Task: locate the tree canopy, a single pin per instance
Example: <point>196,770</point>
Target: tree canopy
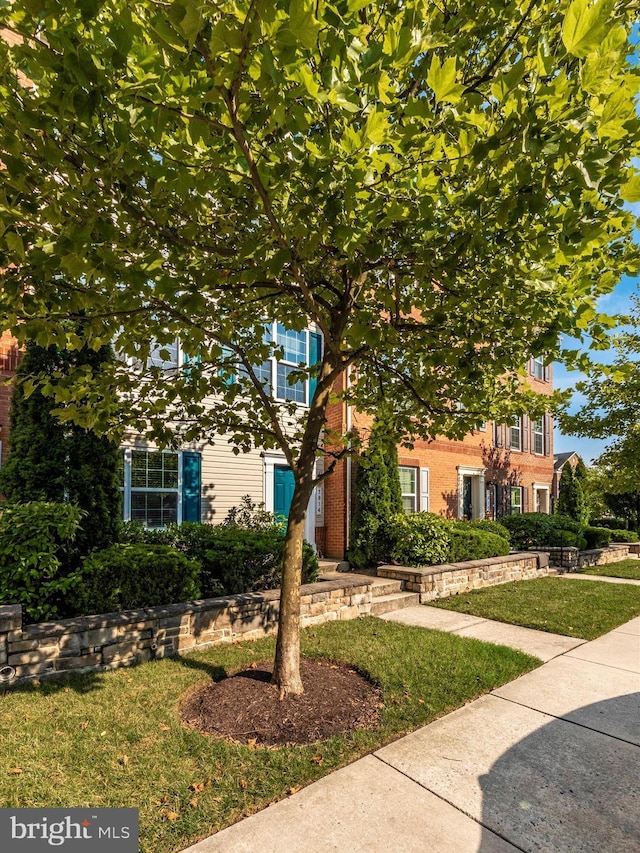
<point>612,409</point>
<point>437,189</point>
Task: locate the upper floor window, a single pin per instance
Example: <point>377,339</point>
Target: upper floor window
<point>516,435</point>
<point>538,435</point>
<point>295,348</point>
<point>538,367</point>
<point>165,356</point>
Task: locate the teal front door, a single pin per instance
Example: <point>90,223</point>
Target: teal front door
<point>283,490</point>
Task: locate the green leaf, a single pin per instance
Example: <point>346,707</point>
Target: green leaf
<point>302,22</point>
<point>376,127</point>
<point>630,191</point>
<point>442,79</point>
<point>585,25</point>
<point>15,244</point>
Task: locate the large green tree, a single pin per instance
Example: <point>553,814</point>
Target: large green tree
<point>435,187</point>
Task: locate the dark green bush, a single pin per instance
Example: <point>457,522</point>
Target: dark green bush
<point>597,537</point>
<point>419,539</point>
<point>487,525</point>
<point>124,577</point>
<point>611,523</point>
<point>624,536</point>
<point>237,560</point>
<point>468,543</point>
<point>234,559</point>
<point>35,542</point>
<point>538,530</point>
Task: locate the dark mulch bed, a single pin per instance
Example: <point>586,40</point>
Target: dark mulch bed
<point>245,706</point>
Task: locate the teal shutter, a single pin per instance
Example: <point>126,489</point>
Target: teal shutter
<point>283,486</point>
<point>228,374</point>
<point>191,486</point>
<point>315,354</point>
<point>190,363</point>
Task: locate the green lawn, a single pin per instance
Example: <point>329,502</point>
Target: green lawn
<point>114,739</point>
<point>624,569</point>
<point>552,604</point>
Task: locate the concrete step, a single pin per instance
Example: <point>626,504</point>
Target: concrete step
<point>383,586</point>
<point>396,601</point>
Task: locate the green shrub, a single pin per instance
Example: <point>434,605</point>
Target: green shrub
<point>233,559</point>
<point>419,539</point>
<point>538,530</point>
<point>237,560</point>
<point>624,536</point>
<point>611,523</point>
<point>597,537</point>
<point>487,525</point>
<point>35,542</point>
<point>124,577</point>
<point>468,543</point>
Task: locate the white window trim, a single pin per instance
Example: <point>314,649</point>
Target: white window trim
<point>126,496</point>
<point>513,489</point>
<point>413,495</point>
<point>538,367</point>
<point>534,433</point>
<point>517,426</point>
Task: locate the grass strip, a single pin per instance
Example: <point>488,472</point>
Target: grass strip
<point>585,610</point>
<point>114,739</point>
<point>629,569</point>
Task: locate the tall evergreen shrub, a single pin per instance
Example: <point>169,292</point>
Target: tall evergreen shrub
<point>53,461</point>
<point>572,500</point>
<point>377,497</point>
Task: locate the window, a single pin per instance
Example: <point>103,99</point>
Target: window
<point>516,435</point>
<point>160,488</point>
<point>298,349</point>
<point>408,483</point>
<point>164,356</point>
<point>538,435</point>
<point>516,500</point>
<point>538,368</point>
<point>294,345</point>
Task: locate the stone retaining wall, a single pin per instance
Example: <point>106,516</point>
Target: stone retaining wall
<point>116,639</point>
<point>572,559</point>
<point>440,581</point>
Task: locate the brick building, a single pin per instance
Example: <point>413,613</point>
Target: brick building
<point>496,470</point>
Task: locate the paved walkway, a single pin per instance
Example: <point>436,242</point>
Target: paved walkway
<point>549,762</point>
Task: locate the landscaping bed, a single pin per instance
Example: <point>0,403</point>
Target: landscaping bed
<point>552,604</point>
<point>629,569</point>
<point>115,739</point>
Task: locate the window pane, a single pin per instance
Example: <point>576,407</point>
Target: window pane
<point>170,351</point>
<point>408,504</point>
<point>154,509</point>
<point>295,392</point>
<point>293,343</point>
<point>407,480</point>
<point>515,437</point>
<point>138,468</point>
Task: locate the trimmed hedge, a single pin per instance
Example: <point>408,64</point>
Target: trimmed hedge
<point>597,537</point>
<point>233,559</point>
<point>420,539</point>
<point>475,544</point>
<point>495,527</point>
<point>538,530</point>
<point>624,536</point>
<point>124,577</point>
<point>426,539</point>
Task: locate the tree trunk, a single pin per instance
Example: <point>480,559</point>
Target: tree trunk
<point>286,672</point>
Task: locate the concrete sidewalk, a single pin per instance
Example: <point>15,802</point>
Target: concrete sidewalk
<point>549,762</point>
